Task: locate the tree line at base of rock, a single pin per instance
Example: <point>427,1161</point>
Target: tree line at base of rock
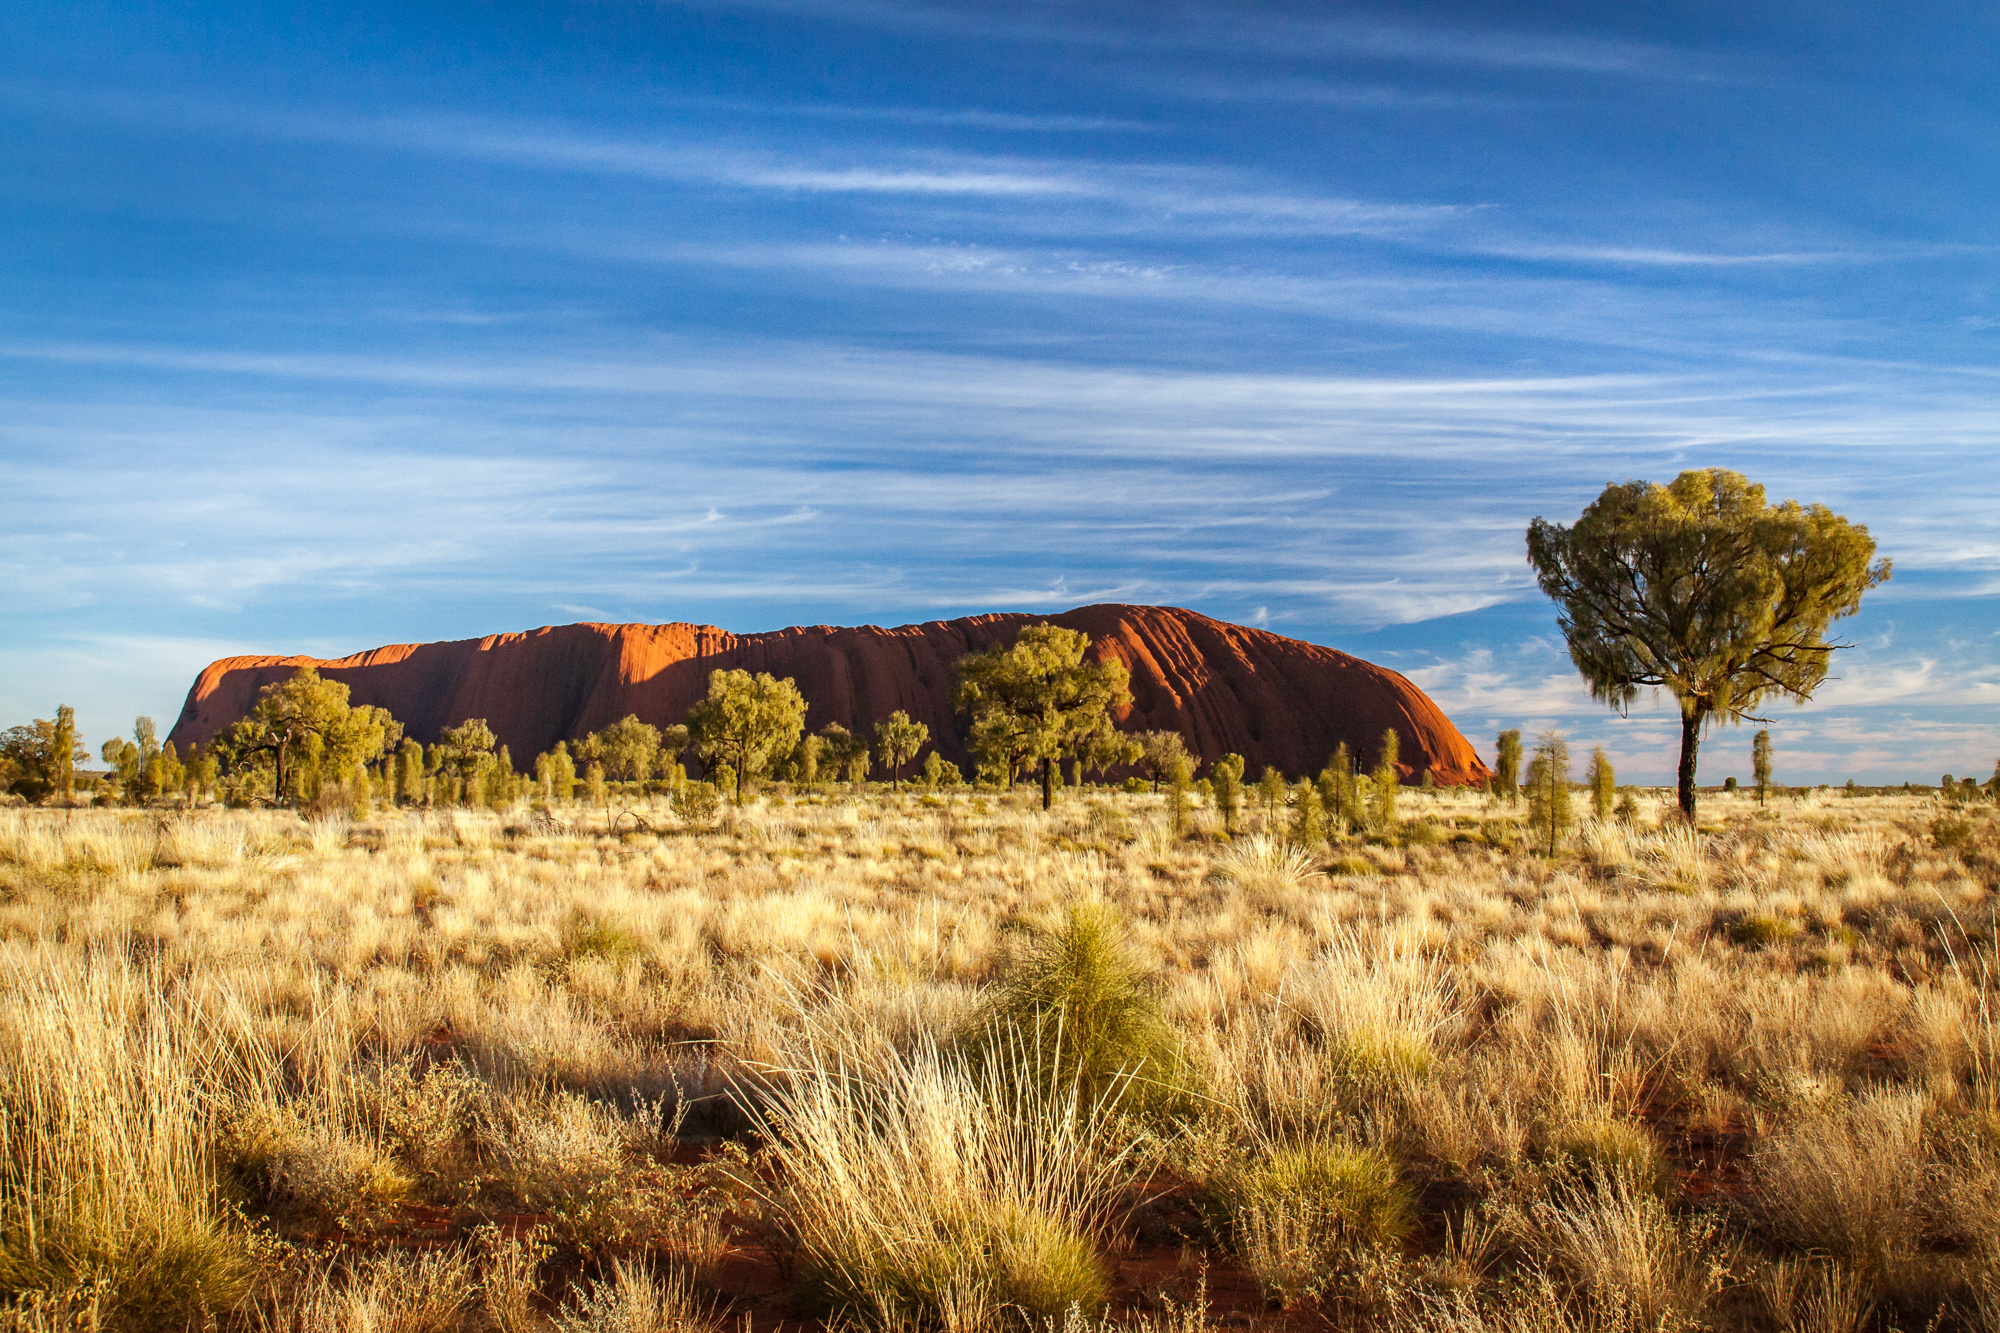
<point>1031,707</point>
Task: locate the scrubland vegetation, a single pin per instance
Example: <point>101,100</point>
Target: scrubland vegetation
<point>948,1061</point>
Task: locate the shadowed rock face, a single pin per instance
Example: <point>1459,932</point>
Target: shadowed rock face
<point>1274,700</point>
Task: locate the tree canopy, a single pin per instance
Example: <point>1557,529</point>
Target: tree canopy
<point>627,748</point>
<point>39,759</point>
<point>306,721</point>
<point>1700,588</point>
<point>1159,752</point>
<point>746,721</point>
<point>897,740</point>
<point>1039,700</point>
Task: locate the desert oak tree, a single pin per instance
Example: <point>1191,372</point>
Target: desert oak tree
<point>1700,588</point>
<point>746,721</point>
<point>897,740</point>
<point>308,717</point>
<point>1039,699</point>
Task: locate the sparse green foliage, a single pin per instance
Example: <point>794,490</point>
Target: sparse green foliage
<point>556,771</point>
<point>1180,795</point>
<point>410,771</point>
<point>1700,588</point>
<point>1039,699</point>
<point>1603,782</point>
<point>897,740</point>
<point>805,760</point>
<point>39,759</point>
<point>1075,995</point>
<point>1604,1149</point>
<point>1550,816</point>
<point>628,749</point>
<point>746,721</point>
<point>1507,766</point>
<point>1384,781</point>
<point>1340,792</point>
<point>1226,776</point>
<point>1271,791</point>
<point>839,749</point>
<point>1308,830</point>
<point>1105,749</point>
<point>1160,751</point>
<point>1307,1217</point>
<point>940,772</point>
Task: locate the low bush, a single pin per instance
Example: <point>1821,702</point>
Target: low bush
<point>311,1173</point>
<point>1761,931</point>
<point>1305,1218</point>
<point>1074,997</point>
<point>1606,1150</point>
<point>633,1298</point>
<point>1847,1182</point>
<point>1628,1260</point>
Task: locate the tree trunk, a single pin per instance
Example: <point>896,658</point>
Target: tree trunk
<point>740,766</point>
<point>1691,721</point>
<point>1048,784</point>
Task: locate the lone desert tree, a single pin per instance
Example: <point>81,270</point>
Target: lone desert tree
<point>1701,588</point>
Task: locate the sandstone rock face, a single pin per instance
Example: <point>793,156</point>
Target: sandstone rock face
<point>1226,688</point>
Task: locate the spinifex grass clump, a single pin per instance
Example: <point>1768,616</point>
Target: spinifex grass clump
<point>1272,870</point>
<point>929,1188</point>
<point>1306,1217</point>
<point>1077,1003</point>
<point>105,1182</point>
<point>1603,1149</point>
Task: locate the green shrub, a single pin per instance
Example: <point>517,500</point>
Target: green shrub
<point>1352,865</point>
<point>1041,1267</point>
<point>591,937</point>
<point>1380,1057</point>
<point>1306,1218</point>
<point>1422,833</point>
<point>309,1173</point>
<point>1951,832</point>
<point>1607,1150</point>
<point>1080,1005</point>
<point>1758,931</point>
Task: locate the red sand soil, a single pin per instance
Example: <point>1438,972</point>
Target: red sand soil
<point>1226,688</point>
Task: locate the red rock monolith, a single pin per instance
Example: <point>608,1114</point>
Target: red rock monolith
<point>1226,688</point>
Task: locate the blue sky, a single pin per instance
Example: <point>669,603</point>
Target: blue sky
<point>328,327</point>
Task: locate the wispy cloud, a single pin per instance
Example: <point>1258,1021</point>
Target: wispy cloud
<point>1247,30</point>
<point>977,118</point>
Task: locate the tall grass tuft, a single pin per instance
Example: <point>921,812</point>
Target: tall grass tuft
<point>1076,999</point>
<point>1271,870</point>
<point>1629,1257</point>
<point>924,1187</point>
<point>105,1180</point>
<point>635,1299</point>
<point>1308,1217</point>
<point>1847,1182</point>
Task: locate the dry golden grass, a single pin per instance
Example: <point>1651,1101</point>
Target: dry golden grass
<point>457,1069</point>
